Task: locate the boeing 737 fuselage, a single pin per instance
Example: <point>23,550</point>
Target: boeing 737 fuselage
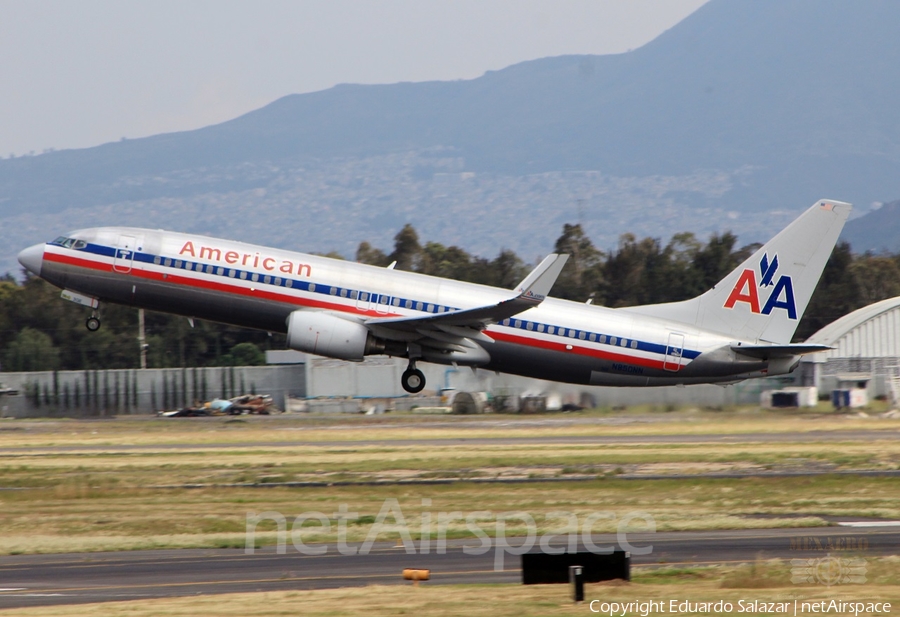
<point>740,329</point>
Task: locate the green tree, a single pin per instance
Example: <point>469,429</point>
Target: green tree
<point>406,248</point>
<point>582,276</point>
<point>877,277</point>
<point>247,354</point>
<point>367,254</point>
<point>836,294</point>
<point>32,350</point>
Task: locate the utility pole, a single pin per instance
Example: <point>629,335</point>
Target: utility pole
<point>142,339</point>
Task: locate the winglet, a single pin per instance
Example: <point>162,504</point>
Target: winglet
<point>537,285</point>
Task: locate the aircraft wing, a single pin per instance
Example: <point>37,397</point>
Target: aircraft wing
<point>454,326</point>
<point>766,352</point>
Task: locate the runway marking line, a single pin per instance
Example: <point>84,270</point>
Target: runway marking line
<point>288,579</point>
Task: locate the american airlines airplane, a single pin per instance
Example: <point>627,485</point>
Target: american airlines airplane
<point>739,329</point>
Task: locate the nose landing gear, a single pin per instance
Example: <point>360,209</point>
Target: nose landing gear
<point>93,322</point>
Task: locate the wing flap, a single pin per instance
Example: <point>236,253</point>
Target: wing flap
<point>531,292</point>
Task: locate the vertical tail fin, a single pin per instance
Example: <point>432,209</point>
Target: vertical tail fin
<point>764,298</point>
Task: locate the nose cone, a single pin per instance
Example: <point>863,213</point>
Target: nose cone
<point>32,258</point>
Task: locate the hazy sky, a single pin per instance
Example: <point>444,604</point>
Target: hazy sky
<point>77,74</point>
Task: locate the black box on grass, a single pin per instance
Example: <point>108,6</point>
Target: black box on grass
<point>540,568</point>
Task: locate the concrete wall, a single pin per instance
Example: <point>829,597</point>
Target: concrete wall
<point>380,377</point>
<point>108,393</point>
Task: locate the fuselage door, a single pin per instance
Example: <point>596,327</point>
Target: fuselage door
<point>383,304</point>
<point>674,352</point>
<point>124,257</point>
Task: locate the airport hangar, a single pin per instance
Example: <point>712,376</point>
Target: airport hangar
<point>866,346</point>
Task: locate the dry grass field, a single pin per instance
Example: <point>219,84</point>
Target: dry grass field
<point>119,484</point>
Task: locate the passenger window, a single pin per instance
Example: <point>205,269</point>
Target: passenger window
<point>332,291</point>
<point>278,282</point>
<point>529,326</point>
<point>418,306</point>
<point>157,260</point>
<point>593,338</point>
<point>232,273</point>
<point>408,304</point>
<point>612,340</point>
<point>267,280</point>
<point>540,327</point>
<point>243,275</point>
<point>396,302</point>
<point>581,335</point>
<point>551,329</point>
<point>343,293</point>
<point>624,342</point>
<point>634,344</point>
<point>364,296</point>
<point>518,323</point>
<point>255,277</point>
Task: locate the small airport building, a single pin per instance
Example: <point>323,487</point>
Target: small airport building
<point>866,352</point>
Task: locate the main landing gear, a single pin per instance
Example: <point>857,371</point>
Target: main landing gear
<point>412,380</point>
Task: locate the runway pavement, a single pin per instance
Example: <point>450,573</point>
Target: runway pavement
<point>33,580</point>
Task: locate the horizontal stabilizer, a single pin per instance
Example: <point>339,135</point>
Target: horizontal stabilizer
<point>765,352</point>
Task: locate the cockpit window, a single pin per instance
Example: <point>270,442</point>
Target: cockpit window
<point>69,243</point>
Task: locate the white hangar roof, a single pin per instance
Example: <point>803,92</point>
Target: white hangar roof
<point>870,332</point>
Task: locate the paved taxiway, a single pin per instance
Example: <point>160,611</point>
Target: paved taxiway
<point>33,580</point>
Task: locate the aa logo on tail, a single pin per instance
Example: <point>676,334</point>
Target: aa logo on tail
<point>781,294</point>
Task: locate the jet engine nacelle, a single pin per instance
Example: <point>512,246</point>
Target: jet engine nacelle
<point>324,334</point>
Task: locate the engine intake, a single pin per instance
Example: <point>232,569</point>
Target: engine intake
<point>324,334</point>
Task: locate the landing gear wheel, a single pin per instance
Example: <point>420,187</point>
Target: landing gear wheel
<point>412,380</point>
<point>92,324</point>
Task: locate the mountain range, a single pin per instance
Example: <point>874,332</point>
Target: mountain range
<point>738,118</point>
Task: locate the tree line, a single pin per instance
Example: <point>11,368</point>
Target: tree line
<point>39,331</point>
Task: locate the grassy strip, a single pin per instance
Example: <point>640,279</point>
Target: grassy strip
<point>130,469</point>
<point>84,515</point>
<point>200,431</point>
<point>762,582</point>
